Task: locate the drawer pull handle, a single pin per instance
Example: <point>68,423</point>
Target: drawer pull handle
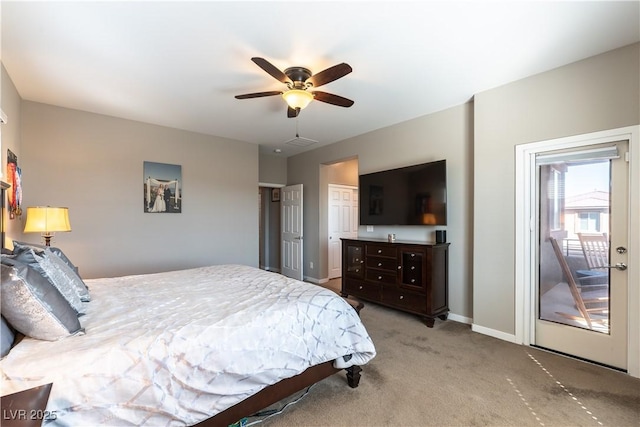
<point>360,287</point>
<point>379,251</point>
<point>379,277</point>
<point>413,280</point>
<point>399,267</point>
<point>401,296</point>
<point>357,270</point>
<point>413,255</point>
<point>413,267</point>
<point>379,264</point>
<point>362,261</point>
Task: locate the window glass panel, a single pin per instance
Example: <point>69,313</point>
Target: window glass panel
<point>573,201</point>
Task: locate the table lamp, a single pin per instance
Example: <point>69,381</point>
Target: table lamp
<point>47,220</point>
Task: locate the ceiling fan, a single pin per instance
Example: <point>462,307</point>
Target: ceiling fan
<point>299,81</point>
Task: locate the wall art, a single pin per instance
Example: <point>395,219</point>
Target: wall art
<point>14,193</point>
<point>162,188</point>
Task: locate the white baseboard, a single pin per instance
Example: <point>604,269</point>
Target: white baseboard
<point>315,280</point>
<point>460,319</point>
<point>493,333</point>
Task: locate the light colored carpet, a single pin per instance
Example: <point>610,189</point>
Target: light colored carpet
<point>451,376</point>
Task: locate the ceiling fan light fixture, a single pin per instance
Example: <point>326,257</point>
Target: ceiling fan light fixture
<point>297,98</point>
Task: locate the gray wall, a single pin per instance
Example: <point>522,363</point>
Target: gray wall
<point>10,140</point>
<point>272,169</point>
<point>94,165</point>
<point>596,94</point>
<point>342,173</point>
<point>444,135</point>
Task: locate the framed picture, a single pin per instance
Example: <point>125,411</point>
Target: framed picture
<point>275,194</point>
<point>162,188</point>
<point>14,178</point>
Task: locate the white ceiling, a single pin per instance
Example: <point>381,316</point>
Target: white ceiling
<point>179,64</point>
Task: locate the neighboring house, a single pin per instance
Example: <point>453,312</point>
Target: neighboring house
<point>587,213</point>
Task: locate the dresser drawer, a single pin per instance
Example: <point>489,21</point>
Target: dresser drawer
<point>381,250</point>
<point>405,300</point>
<point>361,289</point>
<point>390,264</point>
<point>353,259</point>
<point>355,270</point>
<point>413,277</point>
<point>381,276</point>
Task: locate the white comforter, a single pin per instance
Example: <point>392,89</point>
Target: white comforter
<point>176,348</point>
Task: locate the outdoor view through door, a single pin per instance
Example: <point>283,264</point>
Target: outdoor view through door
<point>575,205</point>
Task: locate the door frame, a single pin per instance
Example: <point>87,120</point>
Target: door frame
<point>525,274</point>
<point>354,234</point>
<point>265,231</point>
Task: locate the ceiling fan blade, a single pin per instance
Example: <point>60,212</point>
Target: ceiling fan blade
<point>271,69</point>
<point>259,94</point>
<point>330,98</point>
<point>330,74</point>
<point>292,112</point>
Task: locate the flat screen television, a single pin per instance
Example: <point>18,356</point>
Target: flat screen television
<point>412,195</point>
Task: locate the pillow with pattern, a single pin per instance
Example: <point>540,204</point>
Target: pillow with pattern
<point>45,263</point>
<point>33,306</point>
<point>70,276</point>
<point>57,251</point>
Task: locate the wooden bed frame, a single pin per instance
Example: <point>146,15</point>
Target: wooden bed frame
<point>278,391</point>
<point>264,398</point>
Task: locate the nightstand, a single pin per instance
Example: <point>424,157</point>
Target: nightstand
<point>26,408</point>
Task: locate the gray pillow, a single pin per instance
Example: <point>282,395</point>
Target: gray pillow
<point>6,338</point>
<point>56,251</point>
<point>45,263</point>
<point>83,290</point>
<point>70,275</point>
<point>34,306</point>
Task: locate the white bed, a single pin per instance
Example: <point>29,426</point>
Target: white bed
<point>177,348</point>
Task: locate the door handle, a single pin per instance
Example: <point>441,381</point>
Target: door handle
<point>300,238</point>
<point>620,266</point>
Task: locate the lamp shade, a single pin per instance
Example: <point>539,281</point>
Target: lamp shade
<point>45,219</point>
<point>297,98</point>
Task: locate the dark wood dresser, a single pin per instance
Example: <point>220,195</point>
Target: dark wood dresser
<point>408,276</point>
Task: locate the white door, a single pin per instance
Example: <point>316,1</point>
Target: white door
<point>581,310</point>
<point>291,248</point>
<point>343,223</point>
